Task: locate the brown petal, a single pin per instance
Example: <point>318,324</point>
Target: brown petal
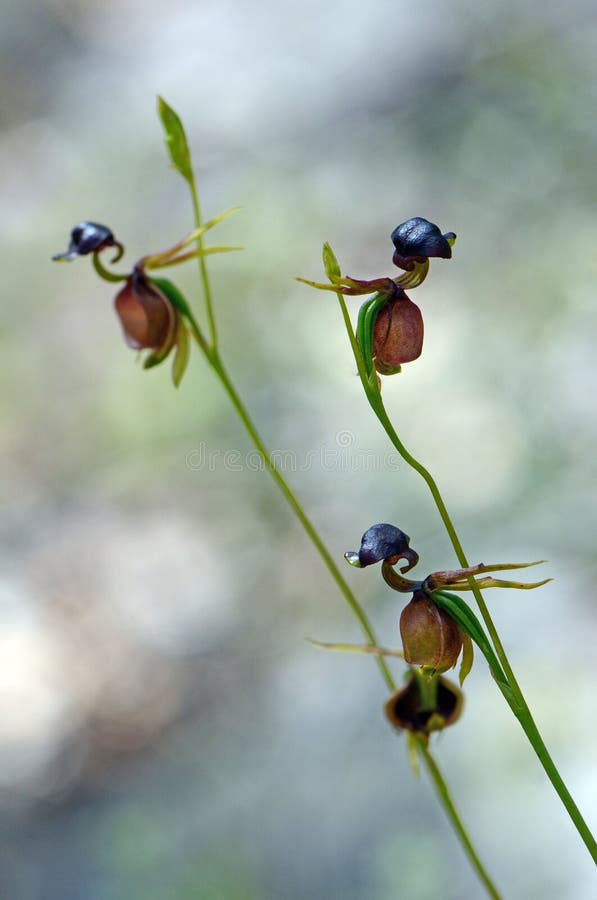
<point>430,637</point>
<point>147,317</point>
<point>397,334</point>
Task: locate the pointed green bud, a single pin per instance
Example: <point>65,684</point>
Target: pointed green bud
<point>176,140</point>
<point>181,356</point>
<point>330,263</point>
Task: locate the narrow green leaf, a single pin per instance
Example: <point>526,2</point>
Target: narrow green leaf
<point>516,585</point>
<point>316,284</point>
<point>356,648</point>
<point>176,140</point>
<point>366,320</point>
<point>374,381</point>
<point>173,294</point>
<point>220,248</point>
<point>157,357</point>
<point>217,219</point>
<point>330,263</point>
<point>181,357</point>
<point>466,663</point>
<point>461,612</point>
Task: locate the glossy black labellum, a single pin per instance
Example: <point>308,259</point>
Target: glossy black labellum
<point>420,239</point>
<point>85,238</point>
<point>383,541</point>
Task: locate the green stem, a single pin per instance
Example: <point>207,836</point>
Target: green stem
<point>427,690</point>
<point>517,701</point>
<point>353,343</point>
<point>438,781</point>
<point>104,273</point>
<point>213,357</point>
<point>446,799</point>
<point>203,268</point>
<point>218,367</point>
<point>532,732</point>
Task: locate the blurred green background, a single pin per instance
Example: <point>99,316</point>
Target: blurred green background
<point>165,731</point>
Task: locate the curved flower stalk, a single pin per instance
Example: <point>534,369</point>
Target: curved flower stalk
<point>415,242</point>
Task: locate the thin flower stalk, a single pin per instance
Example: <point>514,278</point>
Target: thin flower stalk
<point>512,691</point>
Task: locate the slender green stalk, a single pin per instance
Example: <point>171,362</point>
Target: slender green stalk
<point>298,510</point>
<point>437,778</point>
<point>203,267</point>
<point>516,700</point>
<point>444,794</point>
<point>213,357</point>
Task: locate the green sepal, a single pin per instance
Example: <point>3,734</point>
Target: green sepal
<point>468,654</point>
<point>157,357</point>
<point>387,370</point>
<point>363,340</point>
<point>356,648</point>
<point>319,285</point>
<point>220,248</point>
<point>415,276</point>
<point>412,749</point>
<point>330,263</point>
<point>435,722</point>
<point>461,612</point>
<point>365,324</point>
<point>176,140</point>
<point>373,382</point>
<point>174,296</point>
<point>181,357</point>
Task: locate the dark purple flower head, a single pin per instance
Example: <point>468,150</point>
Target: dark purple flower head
<point>417,239</point>
<point>383,542</point>
<point>85,238</point>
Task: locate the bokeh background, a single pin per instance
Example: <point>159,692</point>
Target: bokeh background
<point>165,730</point>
